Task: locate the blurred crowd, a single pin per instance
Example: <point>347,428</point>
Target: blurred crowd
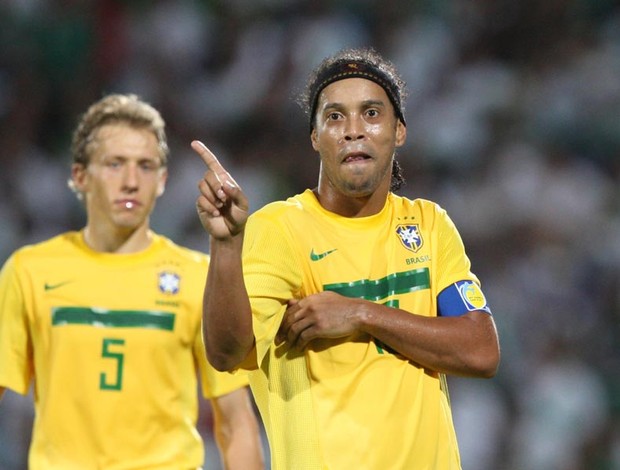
<point>513,127</point>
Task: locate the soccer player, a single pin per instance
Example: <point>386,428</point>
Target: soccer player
<point>348,303</point>
<point>106,321</point>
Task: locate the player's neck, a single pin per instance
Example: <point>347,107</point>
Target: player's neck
<point>348,206</point>
<point>119,241</point>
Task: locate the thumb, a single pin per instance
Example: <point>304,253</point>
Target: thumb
<point>235,194</point>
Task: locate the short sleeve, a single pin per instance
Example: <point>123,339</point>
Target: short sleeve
<point>15,343</point>
<point>453,264</point>
<point>272,276</point>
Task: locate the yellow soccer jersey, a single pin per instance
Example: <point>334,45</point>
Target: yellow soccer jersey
<point>351,403</point>
<point>114,342</point>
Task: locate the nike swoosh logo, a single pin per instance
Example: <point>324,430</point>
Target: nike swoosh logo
<point>315,257</point>
<point>55,286</point>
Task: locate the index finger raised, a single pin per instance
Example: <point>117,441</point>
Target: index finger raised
<point>207,156</point>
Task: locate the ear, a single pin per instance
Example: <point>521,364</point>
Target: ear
<point>161,185</point>
<point>401,133</point>
<point>314,139</point>
<point>78,177</point>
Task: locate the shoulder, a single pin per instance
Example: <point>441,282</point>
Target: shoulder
<point>281,213</point>
<point>421,205</point>
<point>277,226</point>
<point>42,256</point>
<point>281,208</point>
<point>55,246</point>
<point>180,252</point>
<point>428,215</point>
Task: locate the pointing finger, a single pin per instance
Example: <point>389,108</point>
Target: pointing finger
<point>208,157</point>
<point>213,164</point>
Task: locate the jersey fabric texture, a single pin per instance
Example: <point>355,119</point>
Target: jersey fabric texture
<point>115,344</point>
<point>351,403</point>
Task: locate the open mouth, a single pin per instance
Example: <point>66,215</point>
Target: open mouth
<point>356,157</point>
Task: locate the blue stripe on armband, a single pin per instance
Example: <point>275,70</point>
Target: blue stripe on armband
<point>460,298</point>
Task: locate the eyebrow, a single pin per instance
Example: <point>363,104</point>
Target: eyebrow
<point>365,104</point>
<point>125,157</point>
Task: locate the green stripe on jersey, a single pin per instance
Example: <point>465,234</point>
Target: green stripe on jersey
<point>113,318</point>
<point>395,283</point>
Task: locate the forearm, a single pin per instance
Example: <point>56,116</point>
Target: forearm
<point>227,315</point>
<point>465,345</point>
<point>243,450</point>
<point>236,431</point>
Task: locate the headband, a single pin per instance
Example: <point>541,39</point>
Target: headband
<point>343,69</point>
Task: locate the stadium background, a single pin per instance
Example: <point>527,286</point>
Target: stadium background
<point>514,127</point>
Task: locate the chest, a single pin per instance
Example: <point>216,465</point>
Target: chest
<point>378,263</point>
<point>99,299</point>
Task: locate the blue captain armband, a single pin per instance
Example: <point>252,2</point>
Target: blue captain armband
<point>460,298</point>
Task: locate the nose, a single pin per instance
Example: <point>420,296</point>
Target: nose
<point>354,129</point>
<point>130,177</point>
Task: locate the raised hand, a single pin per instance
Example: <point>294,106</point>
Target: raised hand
<point>222,205</point>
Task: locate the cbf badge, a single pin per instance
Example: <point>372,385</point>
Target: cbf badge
<point>410,237</point>
<point>169,283</point>
<point>472,296</point>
